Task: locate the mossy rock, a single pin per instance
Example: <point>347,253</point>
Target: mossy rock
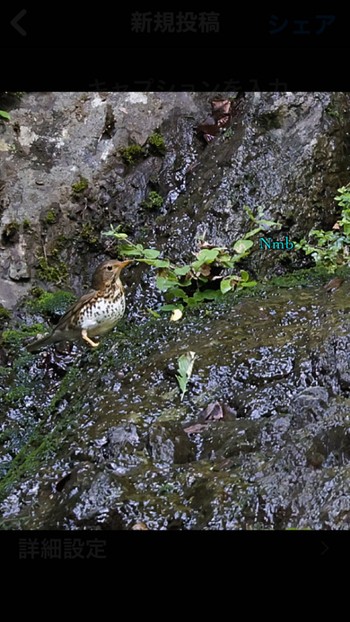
<point>79,186</point>
<point>52,273</point>
<point>153,201</point>
<point>4,313</point>
<point>89,235</point>
<point>50,217</point>
<point>15,336</point>
<point>156,144</point>
<point>52,304</point>
<point>132,154</point>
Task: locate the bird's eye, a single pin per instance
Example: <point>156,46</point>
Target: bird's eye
<point>109,267</point>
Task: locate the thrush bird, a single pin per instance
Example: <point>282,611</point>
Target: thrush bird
<point>95,313</point>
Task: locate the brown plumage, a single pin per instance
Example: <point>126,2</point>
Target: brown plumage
<point>95,313</point>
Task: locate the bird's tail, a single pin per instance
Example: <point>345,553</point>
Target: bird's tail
<point>36,345</point>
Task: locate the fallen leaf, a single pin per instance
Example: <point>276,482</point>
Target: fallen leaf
<point>212,412</point>
<point>216,411</point>
<point>176,315</point>
<point>221,107</point>
<point>195,428</point>
<point>333,284</point>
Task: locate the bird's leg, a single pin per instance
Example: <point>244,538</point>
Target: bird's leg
<point>87,338</point>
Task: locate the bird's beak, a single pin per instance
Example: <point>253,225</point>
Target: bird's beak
<point>123,264</point>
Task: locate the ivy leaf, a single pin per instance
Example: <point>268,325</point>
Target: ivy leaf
<point>110,233</point>
<point>225,285</point>
<point>252,232</point>
<point>156,263</point>
<point>244,275</point>
<point>182,270</point>
<point>153,313</point>
<point>185,366</point>
<point>176,292</point>
<point>114,232</point>
<point>207,294</point>
<point>267,224</point>
<point>241,246</point>
<point>171,307</point>
<point>224,257</point>
<point>133,250</point>
<point>151,253</point>
<point>206,255</point>
<point>164,283</point>
<point>5,115</point>
<point>249,212</point>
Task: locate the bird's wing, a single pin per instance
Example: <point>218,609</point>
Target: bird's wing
<point>74,308</point>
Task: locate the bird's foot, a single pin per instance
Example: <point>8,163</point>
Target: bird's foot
<point>86,337</point>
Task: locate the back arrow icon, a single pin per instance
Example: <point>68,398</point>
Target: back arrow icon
<point>15,24</point>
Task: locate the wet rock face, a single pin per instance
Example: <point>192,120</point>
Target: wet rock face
<point>261,439</point>
<point>64,179</point>
<point>101,440</point>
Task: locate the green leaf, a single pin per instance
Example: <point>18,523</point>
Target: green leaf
<point>207,294</point>
<point>150,253</point>
<point>248,284</point>
<point>110,233</point>
<point>156,263</point>
<point>172,307</point>
<point>131,252</point>
<point>252,232</point>
<point>244,275</point>
<point>5,115</point>
<point>269,223</point>
<point>114,232</point>
<point>182,270</point>
<point>249,212</point>
<point>224,257</point>
<point>176,292</point>
<point>207,256</point>
<point>164,283</point>
<point>153,313</point>
<point>185,367</point>
<point>241,246</point>
<point>225,285</point>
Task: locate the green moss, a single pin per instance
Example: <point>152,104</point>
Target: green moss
<point>43,442</point>
<point>80,185</point>
<point>89,235</point>
<point>50,217</point>
<point>307,276</point>
<point>153,201</point>
<point>156,144</point>
<point>52,273</point>
<point>26,224</point>
<point>15,336</point>
<point>47,303</point>
<point>131,154</point>
<point>333,111</point>
<point>36,291</point>
<point>4,313</point>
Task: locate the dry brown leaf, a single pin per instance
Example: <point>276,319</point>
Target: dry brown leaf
<point>195,428</point>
